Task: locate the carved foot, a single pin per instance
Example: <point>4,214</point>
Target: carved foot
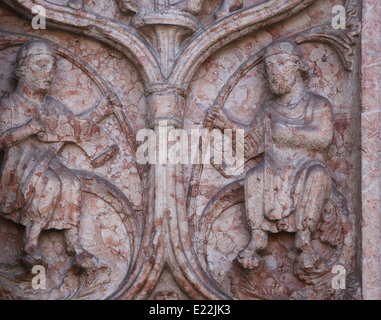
<point>84,260</point>
<point>249,259</point>
<point>95,282</point>
<point>75,4</point>
<point>308,259</point>
<point>33,256</point>
<point>70,249</point>
<point>87,261</point>
<point>227,7</point>
<point>306,265</point>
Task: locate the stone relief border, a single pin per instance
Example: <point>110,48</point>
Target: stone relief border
<point>370,149</point>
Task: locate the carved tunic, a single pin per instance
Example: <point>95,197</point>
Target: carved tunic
<point>292,139</point>
<point>34,185</point>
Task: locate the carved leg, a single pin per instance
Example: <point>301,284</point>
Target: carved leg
<point>71,238</point>
<point>37,214</point>
<point>316,191</point>
<point>227,7</point>
<point>83,259</point>
<point>74,248</point>
<point>32,252</point>
<point>249,257</point>
<point>71,195</point>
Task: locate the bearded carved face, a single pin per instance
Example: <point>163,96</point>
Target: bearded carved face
<point>282,73</point>
<point>38,71</point>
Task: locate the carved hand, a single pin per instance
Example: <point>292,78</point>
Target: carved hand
<point>253,143</point>
<point>114,100</point>
<point>36,126</point>
<point>104,108</point>
<point>216,118</point>
<point>250,144</point>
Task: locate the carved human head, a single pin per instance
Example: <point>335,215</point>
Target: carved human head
<point>284,65</point>
<point>36,61</point>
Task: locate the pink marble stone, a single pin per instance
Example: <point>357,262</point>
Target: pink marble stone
<point>176,231</point>
<point>371,147</point>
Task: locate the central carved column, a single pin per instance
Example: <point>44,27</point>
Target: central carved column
<point>165,103</point>
<point>168,224</point>
<point>166,31</point>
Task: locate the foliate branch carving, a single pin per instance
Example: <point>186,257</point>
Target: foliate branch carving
<point>124,37</point>
<point>343,41</point>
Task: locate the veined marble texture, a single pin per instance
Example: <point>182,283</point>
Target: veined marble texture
<point>82,81</point>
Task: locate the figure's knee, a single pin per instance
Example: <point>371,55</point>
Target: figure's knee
<point>320,182</point>
<point>318,174</point>
<point>317,189</point>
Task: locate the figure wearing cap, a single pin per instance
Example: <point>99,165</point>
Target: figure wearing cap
<point>289,188</point>
<point>36,189</point>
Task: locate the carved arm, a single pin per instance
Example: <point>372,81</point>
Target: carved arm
<point>217,118</point>
<point>12,136</point>
<point>103,109</point>
<point>254,137</point>
<point>315,135</point>
<point>253,145</point>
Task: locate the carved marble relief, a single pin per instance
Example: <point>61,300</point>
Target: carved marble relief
<point>77,201</point>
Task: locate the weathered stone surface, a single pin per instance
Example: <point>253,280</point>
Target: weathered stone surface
<point>101,117</point>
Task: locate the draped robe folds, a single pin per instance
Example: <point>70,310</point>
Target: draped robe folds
<point>35,187</point>
<point>292,138</point>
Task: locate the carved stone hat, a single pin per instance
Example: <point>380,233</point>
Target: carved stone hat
<point>34,48</point>
<point>282,47</point>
